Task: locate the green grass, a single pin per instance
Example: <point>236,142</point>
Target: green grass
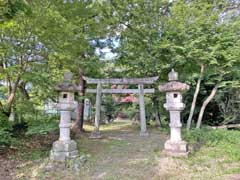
<point>215,155</point>
<point>34,154</point>
<point>216,152</point>
<point>221,142</point>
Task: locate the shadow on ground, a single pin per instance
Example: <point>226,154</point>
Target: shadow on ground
<point>120,154</point>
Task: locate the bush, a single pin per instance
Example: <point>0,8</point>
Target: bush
<point>43,125</point>
<point>5,131</point>
<point>225,142</point>
<point>6,137</point>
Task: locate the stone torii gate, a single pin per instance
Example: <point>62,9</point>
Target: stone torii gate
<point>140,91</point>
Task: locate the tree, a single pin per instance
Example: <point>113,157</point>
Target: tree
<point>194,101</point>
<point>72,38</point>
<point>21,55</point>
<point>157,35</point>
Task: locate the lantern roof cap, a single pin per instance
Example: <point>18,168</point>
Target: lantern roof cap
<point>66,85</point>
<point>174,86</point>
<point>173,75</point>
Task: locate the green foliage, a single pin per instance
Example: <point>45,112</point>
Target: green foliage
<point>229,104</point>
<point>151,37</point>
<point>109,105</point>
<point>226,142</point>
<point>11,8</point>
<point>5,131</point>
<point>42,126</point>
<point>35,154</point>
<point>131,110</point>
<point>159,35</point>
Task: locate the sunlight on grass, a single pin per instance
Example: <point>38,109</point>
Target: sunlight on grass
<point>116,125</point>
<point>121,153</point>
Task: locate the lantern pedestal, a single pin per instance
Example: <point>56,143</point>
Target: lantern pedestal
<point>177,148</point>
<point>62,150</point>
<point>144,134</point>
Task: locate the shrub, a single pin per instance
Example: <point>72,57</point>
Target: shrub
<point>5,131</point>
<point>43,125</point>
<point>226,142</point>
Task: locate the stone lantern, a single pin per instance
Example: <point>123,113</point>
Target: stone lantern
<point>175,146</point>
<point>64,147</point>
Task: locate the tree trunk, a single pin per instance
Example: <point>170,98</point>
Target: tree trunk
<point>78,125</point>
<point>189,121</point>
<point>12,115</point>
<point>22,88</point>
<point>11,96</point>
<point>205,103</point>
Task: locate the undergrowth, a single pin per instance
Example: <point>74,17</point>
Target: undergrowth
<point>223,142</point>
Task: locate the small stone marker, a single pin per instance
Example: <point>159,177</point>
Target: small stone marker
<point>175,146</point>
<point>96,133</point>
<point>87,109</point>
<point>65,147</point>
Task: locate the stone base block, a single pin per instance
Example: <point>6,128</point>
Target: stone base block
<point>178,148</point>
<point>144,134</point>
<point>95,135</point>
<point>63,150</point>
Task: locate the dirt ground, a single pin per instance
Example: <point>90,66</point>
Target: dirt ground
<point>120,155</point>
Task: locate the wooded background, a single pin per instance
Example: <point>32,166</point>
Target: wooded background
<point>40,40</point>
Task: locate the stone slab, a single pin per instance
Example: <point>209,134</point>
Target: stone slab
<point>175,154</point>
<point>177,148</point>
<point>144,134</point>
<point>64,146</point>
<point>62,156</point>
<point>121,91</point>
<point>63,150</point>
<point>149,80</point>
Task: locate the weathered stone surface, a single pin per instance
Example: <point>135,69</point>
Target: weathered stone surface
<point>121,91</point>
<point>149,80</point>
<point>173,76</point>
<point>178,148</point>
<point>174,84</point>
<point>174,106</point>
<point>144,134</point>
<point>64,146</point>
<point>175,146</point>
<point>176,154</point>
<point>142,111</point>
<point>63,156</point>
<point>63,150</point>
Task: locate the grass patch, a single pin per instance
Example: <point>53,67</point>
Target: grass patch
<point>116,144</point>
<point>34,154</point>
<point>217,152</point>
<point>116,125</point>
<point>221,142</point>
<point>233,170</point>
<point>123,154</point>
